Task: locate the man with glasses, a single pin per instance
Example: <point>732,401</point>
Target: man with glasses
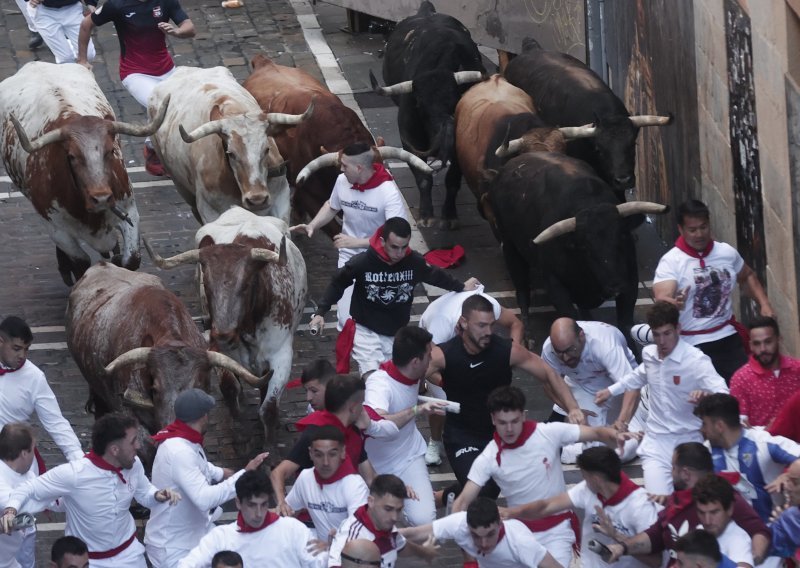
<point>591,356</point>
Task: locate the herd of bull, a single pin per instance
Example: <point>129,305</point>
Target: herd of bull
<point>547,148</point>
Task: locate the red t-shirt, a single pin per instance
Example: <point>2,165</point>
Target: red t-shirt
<point>760,393</point>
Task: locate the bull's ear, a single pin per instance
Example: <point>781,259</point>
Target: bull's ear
<point>216,113</point>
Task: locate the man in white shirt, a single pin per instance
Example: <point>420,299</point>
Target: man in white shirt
<point>482,534</point>
<point>699,276</point>
<point>262,538</point>
<point>391,395</point>
<point>606,495</point>
<point>181,463</point>
<point>24,389</point>
<point>677,375</point>
<point>97,492</point>
<point>376,521</point>
<point>591,356</point>
<point>359,553</point>
<point>17,445</point>
<point>700,549</point>
<point>714,497</point>
<point>367,196</point>
<point>332,490</point>
<point>524,460</point>
<point>69,552</point>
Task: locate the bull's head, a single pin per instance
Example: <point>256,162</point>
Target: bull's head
<point>162,372</point>
<point>249,149</point>
<point>92,153</point>
<point>544,139</point>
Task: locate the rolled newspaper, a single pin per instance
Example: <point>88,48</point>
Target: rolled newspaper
<point>453,407</point>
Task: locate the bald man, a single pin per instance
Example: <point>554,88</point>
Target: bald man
<point>360,552</point>
<point>591,356</point>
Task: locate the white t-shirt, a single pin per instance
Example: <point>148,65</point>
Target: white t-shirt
<point>353,529</point>
<point>632,515</point>
<point>393,454</point>
<point>708,303</point>
<point>517,549</point>
<point>328,504</point>
<point>441,316</point>
<point>530,472</point>
<point>364,211</point>
<point>735,543</point>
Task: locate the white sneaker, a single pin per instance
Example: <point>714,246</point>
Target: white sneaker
<point>433,455</point>
<point>642,334</point>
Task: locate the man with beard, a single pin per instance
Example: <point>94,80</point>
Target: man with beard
<point>768,379</point>
<point>472,365</point>
<point>97,492</point>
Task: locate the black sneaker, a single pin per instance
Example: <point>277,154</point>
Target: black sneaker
<point>35,40</point>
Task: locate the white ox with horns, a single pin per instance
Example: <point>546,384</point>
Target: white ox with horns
<point>253,284</point>
<point>217,147</point>
<point>60,147</point>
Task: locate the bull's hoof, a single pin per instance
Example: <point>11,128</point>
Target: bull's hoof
<point>449,224</point>
<point>427,222</point>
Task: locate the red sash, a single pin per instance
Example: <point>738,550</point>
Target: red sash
<point>344,346</point>
<point>547,523</point>
<point>114,551</point>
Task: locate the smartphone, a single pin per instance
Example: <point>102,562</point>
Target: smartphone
<point>600,549</point>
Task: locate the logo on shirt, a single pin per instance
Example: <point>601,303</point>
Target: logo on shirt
<point>386,295</point>
<point>676,379</point>
<point>132,14</point>
<point>473,365</point>
<point>360,205</point>
<point>747,458</point>
<point>157,12</point>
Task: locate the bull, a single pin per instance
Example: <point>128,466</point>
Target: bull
<point>332,127</point>
<point>568,93</point>
<point>253,284</point>
<point>429,60</point>
<point>137,346</point>
<point>217,144</point>
<point>554,213</point>
<point>60,149</point>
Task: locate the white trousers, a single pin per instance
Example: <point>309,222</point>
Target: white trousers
<point>370,349</point>
<point>140,86</point>
<point>131,557</point>
<point>165,557</point>
<point>656,454</point>
<point>558,541</point>
<point>416,475</point>
<point>59,28</point>
<point>23,7</point>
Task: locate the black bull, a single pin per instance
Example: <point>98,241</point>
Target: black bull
<point>585,251</point>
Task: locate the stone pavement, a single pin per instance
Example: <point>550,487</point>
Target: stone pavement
<point>31,287</point>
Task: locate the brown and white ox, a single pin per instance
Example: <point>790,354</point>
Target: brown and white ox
<point>137,346</point>
<point>253,282</point>
<point>60,148</point>
<point>332,127</point>
<point>217,144</point>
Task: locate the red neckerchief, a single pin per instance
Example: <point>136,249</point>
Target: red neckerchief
<point>178,429</point>
<point>701,255</point>
<point>380,176</point>
<point>100,463</point>
<point>678,502</point>
<point>375,243</point>
<point>345,468</point>
<point>392,370</point>
<point>626,487</point>
<point>3,370</point>
<point>383,539</point>
<point>732,477</point>
<point>353,438</point>
<point>528,428</point>
<point>245,528</point>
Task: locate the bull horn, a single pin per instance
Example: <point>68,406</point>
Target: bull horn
<point>283,118</point>
<point>509,148</point>
<point>283,257</point>
<point>324,161</point>
<point>388,152</point>
<point>212,127</point>
<point>264,255</point>
<point>224,362</point>
<point>137,399</point>
<point>188,257</point>
<point>556,230</point>
<point>138,355</point>
<point>464,77</point>
<point>641,207</point>
<point>650,120</point>
<point>572,132</point>
<point>142,129</point>
<point>403,88</point>
<point>29,146</point>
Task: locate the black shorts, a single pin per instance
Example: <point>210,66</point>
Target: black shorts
<point>727,355</point>
<point>462,448</point>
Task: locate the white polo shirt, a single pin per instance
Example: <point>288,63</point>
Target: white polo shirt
<point>516,549</point>
<point>441,316</point>
<point>736,544</point>
<point>353,528</point>
<point>328,504</point>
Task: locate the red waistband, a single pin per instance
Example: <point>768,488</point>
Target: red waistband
<point>540,525</point>
<point>709,330</point>
<point>114,551</point>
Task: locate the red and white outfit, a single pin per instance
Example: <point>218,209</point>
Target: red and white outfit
<point>24,391</point>
<point>365,208</point>
<point>762,392</point>
<point>670,420</point>
<point>181,463</point>
<point>517,547</point>
<point>629,509</point>
<point>96,497</point>
<point>328,501</point>
<point>529,470</point>
<point>736,544</point>
<point>279,543</point>
<point>359,525</point>
<point>401,453</point>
